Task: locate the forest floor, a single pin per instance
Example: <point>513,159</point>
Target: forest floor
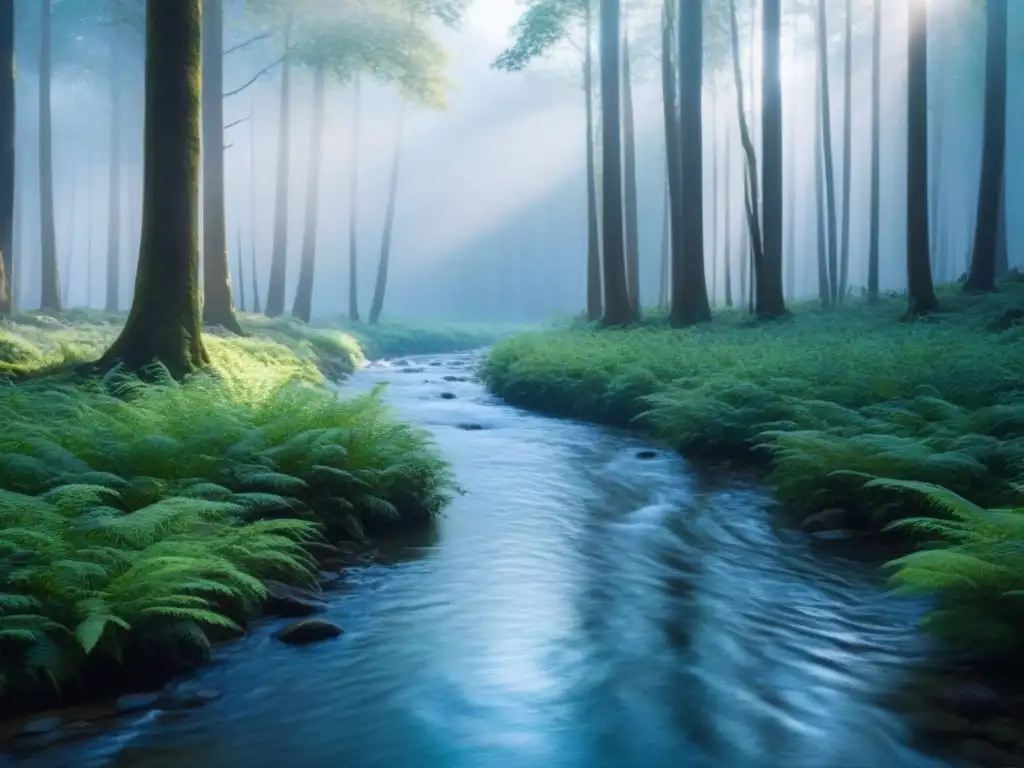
<point>827,402</point>
<point>141,523</point>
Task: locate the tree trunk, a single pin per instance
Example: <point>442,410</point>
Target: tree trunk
<point>936,158</point>
<point>66,272</point>
<point>791,197</point>
<point>920,289</point>
<point>113,282</point>
<point>381,284</point>
<point>673,161</point>
<point>164,323</point>
<point>353,208</point>
<point>826,143</point>
<point>713,154</point>
<point>666,250</point>
<point>303,305</point>
<point>629,162</point>
<point>7,157</point>
<point>88,235</point>
<point>982,275</point>
<point>821,225</point>
<point>770,301</point>
<point>241,271</point>
<point>691,304</point>
<point>727,245</point>
<point>617,309</point>
<point>252,212</point>
<point>593,233</point>
<point>876,149</point>
<point>50,289</point>
<point>1002,245</point>
<point>844,263</point>
<point>279,252</point>
<point>217,305</point>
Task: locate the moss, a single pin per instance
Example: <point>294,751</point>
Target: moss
<point>136,516</point>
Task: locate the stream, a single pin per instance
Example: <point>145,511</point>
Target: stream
<point>578,607</point>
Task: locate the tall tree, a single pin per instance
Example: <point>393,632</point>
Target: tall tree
<point>617,308</point>
<point>279,249</point>
<point>7,132</point>
<point>844,268</point>
<point>302,307</point>
<point>218,308</point>
<point>876,147</point>
<point>689,293</point>
<point>827,161</point>
<point>380,284</point>
<point>594,292</point>
<point>353,206</point>
<point>50,293</point>
<point>629,170</point>
<point>920,289</point>
<point>113,281</point>
<point>770,300</point>
<point>164,323</point>
<point>241,270</point>
<point>673,150</point>
<point>982,274</point>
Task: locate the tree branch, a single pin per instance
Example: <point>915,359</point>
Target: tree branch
<point>254,78</point>
<point>245,119</point>
<point>250,41</point>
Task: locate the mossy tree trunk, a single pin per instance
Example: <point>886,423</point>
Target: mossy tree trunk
<point>690,303</point>
<point>303,304</point>
<point>218,308</point>
<point>7,133</point>
<point>920,288</point>
<point>381,284</point>
<point>49,300</point>
<point>629,169</point>
<point>876,149</point>
<point>982,274</point>
<point>353,208</point>
<point>113,281</point>
<point>594,300</point>
<point>769,299</point>
<point>164,323</point>
<point>279,251</point>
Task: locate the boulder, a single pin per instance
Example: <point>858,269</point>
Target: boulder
<point>292,602</point>
<point>188,696</point>
<point>646,453</point>
<point>833,519</point>
<point>447,395</point>
<point>471,427</point>
<point>137,702</point>
<point>308,631</point>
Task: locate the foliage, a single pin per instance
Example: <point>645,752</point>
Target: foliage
<point>976,568</point>
<point>822,397</point>
<point>134,514</point>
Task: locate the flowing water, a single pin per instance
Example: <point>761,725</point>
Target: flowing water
<point>577,607</point>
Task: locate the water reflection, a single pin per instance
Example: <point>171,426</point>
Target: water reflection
<point>577,607</point>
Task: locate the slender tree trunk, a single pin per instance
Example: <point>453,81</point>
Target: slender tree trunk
<point>381,284</point>
<point>113,282</point>
<point>617,309</point>
<point>920,289</point>
<point>844,263</point>
<point>279,252</point>
<point>629,163</point>
<point>826,142</point>
<point>50,293</point>
<point>936,158</point>
<point>666,249</point>
<point>770,301</point>
<point>252,212</point>
<point>694,306</point>
<point>1002,245</point>
<point>66,272</point>
<point>303,305</point>
<point>876,149</point>
<point>7,157</point>
<point>673,154</point>
<point>791,198</point>
<point>982,275</point>
<point>593,233</point>
<point>727,255</point>
<point>713,153</point>
<point>353,208</point>
<point>241,271</point>
<point>217,306</point>
<point>821,225</point>
<point>164,323</point>
<point>88,235</point>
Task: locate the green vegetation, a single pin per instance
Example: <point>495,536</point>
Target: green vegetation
<point>827,399</point>
<point>135,518</point>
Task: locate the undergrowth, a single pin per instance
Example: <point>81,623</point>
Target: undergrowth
<point>135,516</point>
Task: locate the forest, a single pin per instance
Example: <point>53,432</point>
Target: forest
<point>511,382</point>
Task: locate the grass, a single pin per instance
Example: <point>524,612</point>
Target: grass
<point>136,518</point>
<point>826,400</point>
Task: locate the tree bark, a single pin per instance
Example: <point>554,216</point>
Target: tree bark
<point>629,163</point>
<point>666,250</point>
<point>353,208</point>
<point>303,304</point>
<point>594,289</point>
<point>7,156</point>
<point>770,301</point>
<point>241,270</point>
<point>50,289</point>
<point>727,245</point>
<point>66,272</point>
<point>713,154</point>
<point>690,304</point>
<point>829,165</point>
<point>844,263</point>
<point>821,223</point>
<point>113,282</point>
<point>164,323</point>
<point>876,149</point>
<point>252,212</point>
<point>279,252</point>
<point>673,162</point>
<point>617,309</point>
<point>218,308</point>
<point>381,284</point>
<point>1002,245</point>
<point>982,274</point>
<point>920,289</point>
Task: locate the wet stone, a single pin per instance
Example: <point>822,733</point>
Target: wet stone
<point>42,725</point>
<point>646,453</point>
<point>137,702</point>
<point>308,631</point>
<point>447,395</point>
<point>471,427</point>
<point>412,370</point>
<point>292,602</point>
